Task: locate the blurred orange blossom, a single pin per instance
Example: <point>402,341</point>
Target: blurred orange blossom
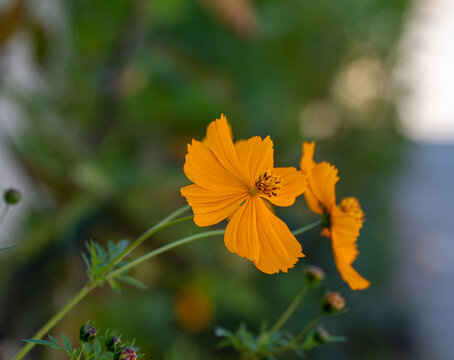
<point>341,223</point>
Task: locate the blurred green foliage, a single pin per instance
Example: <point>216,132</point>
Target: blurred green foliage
<point>123,87</point>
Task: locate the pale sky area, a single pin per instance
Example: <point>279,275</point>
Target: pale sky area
<point>427,72</point>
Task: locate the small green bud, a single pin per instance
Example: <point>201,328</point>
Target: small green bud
<point>314,275</point>
<point>12,196</point>
<point>128,354</point>
<point>114,344</point>
<point>321,336</point>
<point>332,303</point>
<point>87,333</point>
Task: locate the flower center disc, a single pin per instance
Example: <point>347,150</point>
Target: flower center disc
<point>267,184</point>
<point>351,206</point>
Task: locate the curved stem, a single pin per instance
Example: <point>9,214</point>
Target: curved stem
<point>308,328</point>
<point>161,250</point>
<point>159,226</point>
<point>306,228</point>
<point>299,337</point>
<point>81,351</point>
<point>292,307</point>
<point>54,320</point>
<point>4,212</point>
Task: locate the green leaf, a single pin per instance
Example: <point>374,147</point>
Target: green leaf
<point>115,286</point>
<point>57,345</point>
<point>221,332</point>
<point>132,281</point>
<point>6,247</point>
<point>86,261</point>
<point>336,339</point>
<point>40,342</point>
<point>66,343</point>
<point>96,347</point>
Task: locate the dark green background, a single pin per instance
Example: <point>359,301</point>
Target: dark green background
<point>129,84</point>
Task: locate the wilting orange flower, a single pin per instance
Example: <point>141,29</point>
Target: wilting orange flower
<point>341,222</point>
<point>234,181</point>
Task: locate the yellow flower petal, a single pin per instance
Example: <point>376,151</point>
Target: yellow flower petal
<point>211,207</point>
<point>307,160</point>
<point>255,155</point>
<point>322,181</point>
<point>256,233</point>
<point>220,142</point>
<point>294,183</point>
<point>203,168</point>
<point>344,233</point>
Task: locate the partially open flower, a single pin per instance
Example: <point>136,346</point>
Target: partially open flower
<point>333,302</point>
<point>87,333</point>
<point>128,354</point>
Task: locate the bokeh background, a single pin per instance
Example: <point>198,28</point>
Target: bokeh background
<point>98,100</point>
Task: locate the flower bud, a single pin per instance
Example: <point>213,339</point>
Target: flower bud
<point>128,354</point>
<point>12,196</point>
<point>87,333</point>
<point>321,336</point>
<point>314,275</point>
<point>332,303</point>
<point>114,344</point>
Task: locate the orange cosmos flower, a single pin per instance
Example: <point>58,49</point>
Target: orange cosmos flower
<point>233,181</point>
<point>341,222</point>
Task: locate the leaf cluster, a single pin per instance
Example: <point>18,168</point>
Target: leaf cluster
<point>268,346</point>
<point>99,348</point>
<point>101,262</point>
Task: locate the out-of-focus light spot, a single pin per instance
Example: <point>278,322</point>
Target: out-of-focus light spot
<point>360,84</point>
<point>425,73</point>
<point>132,80</point>
<point>238,15</point>
<point>319,120</point>
<point>193,309</point>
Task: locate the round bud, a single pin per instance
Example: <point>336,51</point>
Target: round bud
<point>12,196</point>
<point>87,333</point>
<point>332,303</point>
<point>314,275</point>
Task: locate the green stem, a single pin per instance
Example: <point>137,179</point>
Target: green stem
<point>184,241</point>
<point>4,212</point>
<point>81,351</point>
<point>295,343</point>
<point>54,320</point>
<point>308,328</point>
<point>159,226</point>
<point>161,250</point>
<point>292,307</point>
<point>306,228</point>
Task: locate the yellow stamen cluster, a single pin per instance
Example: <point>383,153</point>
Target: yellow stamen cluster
<point>267,184</point>
<point>351,206</point>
